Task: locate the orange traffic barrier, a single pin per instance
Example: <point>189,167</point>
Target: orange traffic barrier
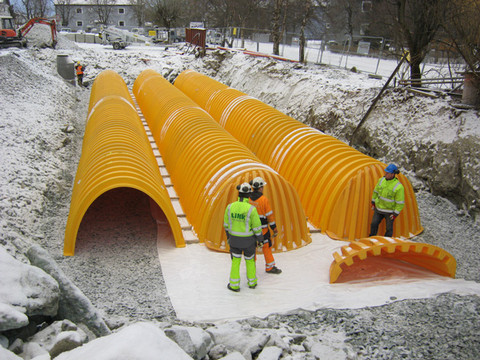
<point>334,181</point>
<point>206,163</point>
<point>116,153</point>
<point>424,255</point>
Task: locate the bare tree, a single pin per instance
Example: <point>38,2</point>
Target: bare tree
<point>462,23</point>
<point>343,16</point>
<point>29,8</point>
<point>277,29</point>
<point>167,13</point>
<point>64,9</point>
<point>307,14</point>
<point>243,11</point>
<point>221,13</point>
<point>103,9</point>
<point>139,8</point>
<point>35,8</point>
<point>196,10</point>
<point>417,22</point>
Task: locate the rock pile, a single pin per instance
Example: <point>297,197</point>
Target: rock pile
<point>43,315</point>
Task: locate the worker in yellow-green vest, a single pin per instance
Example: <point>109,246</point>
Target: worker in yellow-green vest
<point>388,200</point>
<point>244,230</point>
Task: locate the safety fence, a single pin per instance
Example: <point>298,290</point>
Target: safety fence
<point>334,181</point>
<point>206,163</point>
<point>116,153</point>
<point>369,54</point>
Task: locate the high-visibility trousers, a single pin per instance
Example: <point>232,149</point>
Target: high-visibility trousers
<point>236,255</point>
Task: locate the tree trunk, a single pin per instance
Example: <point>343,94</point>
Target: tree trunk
<point>306,16</point>
<point>276,27</point>
<point>415,73</point>
<point>283,32</point>
<point>301,55</point>
<point>242,36</point>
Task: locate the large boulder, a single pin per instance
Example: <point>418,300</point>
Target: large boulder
<point>11,318</point>
<point>73,304</point>
<point>24,289</point>
<point>8,355</point>
<point>196,342</point>
<point>241,338</point>
<point>138,341</point>
<point>59,337</point>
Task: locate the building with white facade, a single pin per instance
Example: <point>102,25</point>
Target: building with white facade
<point>90,15</point>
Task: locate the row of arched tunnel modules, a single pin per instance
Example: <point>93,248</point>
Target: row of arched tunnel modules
<point>211,138</point>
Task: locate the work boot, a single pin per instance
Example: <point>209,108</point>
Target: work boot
<point>230,288</point>
<point>274,270</point>
<point>252,286</point>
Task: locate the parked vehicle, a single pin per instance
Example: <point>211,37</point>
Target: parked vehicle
<point>116,37</point>
<point>214,37</point>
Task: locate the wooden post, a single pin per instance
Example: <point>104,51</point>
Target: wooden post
<point>376,99</point>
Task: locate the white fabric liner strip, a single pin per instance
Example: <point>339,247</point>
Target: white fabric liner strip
<point>196,280</point>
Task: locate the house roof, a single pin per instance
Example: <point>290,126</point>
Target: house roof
<point>92,2</point>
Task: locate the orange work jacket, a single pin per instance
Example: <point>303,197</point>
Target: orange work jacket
<point>264,210</point>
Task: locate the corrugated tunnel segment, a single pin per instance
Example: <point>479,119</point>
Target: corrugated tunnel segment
<point>116,153</point>
<point>206,163</point>
<point>334,181</point>
<point>424,255</point>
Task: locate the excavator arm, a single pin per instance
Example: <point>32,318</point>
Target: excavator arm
<point>38,20</point>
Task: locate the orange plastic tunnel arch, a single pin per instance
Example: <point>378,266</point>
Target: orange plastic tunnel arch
<point>206,163</point>
<point>334,181</point>
<point>116,153</point>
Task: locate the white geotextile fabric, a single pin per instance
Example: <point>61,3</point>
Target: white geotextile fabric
<point>196,280</point>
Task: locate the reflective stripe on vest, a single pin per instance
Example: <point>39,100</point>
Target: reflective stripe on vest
<point>247,231</point>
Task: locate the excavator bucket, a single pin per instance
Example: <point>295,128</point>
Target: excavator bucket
<point>424,255</point>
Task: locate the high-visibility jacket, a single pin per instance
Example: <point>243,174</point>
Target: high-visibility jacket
<point>242,223</point>
<point>389,196</point>
<point>79,69</point>
<point>264,210</point>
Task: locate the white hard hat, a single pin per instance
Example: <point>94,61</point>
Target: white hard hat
<point>244,188</point>
<point>258,182</point>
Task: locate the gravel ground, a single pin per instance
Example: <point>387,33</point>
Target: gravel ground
<point>445,327</point>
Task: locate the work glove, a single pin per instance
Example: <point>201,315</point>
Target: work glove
<point>275,233</point>
<point>259,243</point>
<point>393,216</point>
<point>372,205</point>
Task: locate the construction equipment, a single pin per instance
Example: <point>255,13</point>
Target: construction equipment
<point>39,20</point>
<point>116,37</point>
<point>8,35</point>
<point>119,38</point>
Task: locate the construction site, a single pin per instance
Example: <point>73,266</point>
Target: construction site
<point>133,173</point>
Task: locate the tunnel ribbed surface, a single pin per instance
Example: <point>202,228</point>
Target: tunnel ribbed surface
<point>206,163</point>
<point>334,181</point>
<point>116,153</point>
<point>427,256</point>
